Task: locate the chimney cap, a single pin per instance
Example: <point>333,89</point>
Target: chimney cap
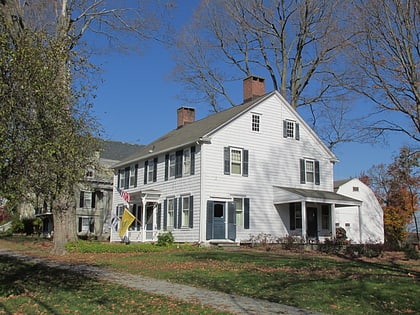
<point>253,86</point>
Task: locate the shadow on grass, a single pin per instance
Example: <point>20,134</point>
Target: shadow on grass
<point>30,280</point>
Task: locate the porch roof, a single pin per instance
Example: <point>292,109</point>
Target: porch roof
<point>287,195</point>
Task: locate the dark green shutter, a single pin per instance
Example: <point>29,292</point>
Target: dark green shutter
<point>127,177</point>
<point>118,179</point>
<point>93,201</point>
<point>80,224</point>
<point>246,213</point>
<point>191,217</point>
<point>227,160</point>
<point>302,171</point>
<point>297,134</point>
<point>158,216</point>
<point>245,163</point>
<point>136,167</point>
<point>178,163</point>
<point>209,222</point>
<point>146,163</point>
<point>284,129</point>
<point>292,216</point>
<point>166,166</point>
<point>180,213</point>
<point>155,163</point>
<point>231,216</point>
<point>192,166</point>
<point>317,175</point>
<point>91,225</point>
<point>175,213</point>
<point>165,214</point>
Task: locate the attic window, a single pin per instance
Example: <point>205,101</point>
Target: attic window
<point>256,122</point>
<point>355,188</point>
<point>291,129</point>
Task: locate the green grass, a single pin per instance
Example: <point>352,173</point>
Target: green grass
<point>27,288</point>
<point>317,282</point>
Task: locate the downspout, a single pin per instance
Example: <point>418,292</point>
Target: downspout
<point>203,220</point>
<point>304,223</point>
<point>143,227</point>
<point>359,208</point>
<point>333,232</point>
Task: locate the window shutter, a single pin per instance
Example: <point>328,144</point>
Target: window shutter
<point>136,167</point>
<point>180,213</point>
<point>82,195</point>
<point>158,216</point>
<point>146,163</point>
<point>127,177</point>
<point>292,216</point>
<point>284,129</point>
<point>192,165</point>
<point>227,160</point>
<point>178,163</point>
<point>93,200</point>
<point>91,225</point>
<point>165,213</point>
<point>302,171</point>
<point>80,224</point>
<point>317,175</point>
<point>166,167</point>
<point>175,213</point>
<point>246,213</point>
<point>245,163</point>
<point>209,225</point>
<point>297,135</point>
<point>155,162</point>
<point>191,217</point>
<point>118,179</point>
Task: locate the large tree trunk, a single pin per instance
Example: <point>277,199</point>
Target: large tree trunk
<point>64,216</point>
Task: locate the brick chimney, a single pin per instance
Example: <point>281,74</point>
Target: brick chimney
<point>185,115</point>
<point>253,87</point>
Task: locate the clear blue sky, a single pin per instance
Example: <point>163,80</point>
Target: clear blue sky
<point>137,103</point>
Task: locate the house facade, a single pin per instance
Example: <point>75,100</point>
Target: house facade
<point>253,169</point>
<point>364,224</point>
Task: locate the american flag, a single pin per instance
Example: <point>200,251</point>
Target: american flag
<point>125,195</point>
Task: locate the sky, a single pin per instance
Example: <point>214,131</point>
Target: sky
<point>137,102</point>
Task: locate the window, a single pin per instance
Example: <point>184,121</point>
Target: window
<point>355,188</point>
<point>256,122</point>
<point>309,171</point>
<point>171,203</point>
<point>291,129</point>
<point>185,211</point>
<point>172,165</point>
<point>187,162</point>
<point>235,161</point>
<point>295,216</point>
<point>86,224</point>
<point>239,206</point>
<point>121,175</point>
<point>150,171</point>
<point>133,175</point>
<point>90,173</point>
<point>325,214</point>
<point>87,199</point>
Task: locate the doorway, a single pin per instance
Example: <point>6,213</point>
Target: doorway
<point>312,222</point>
<point>219,227</point>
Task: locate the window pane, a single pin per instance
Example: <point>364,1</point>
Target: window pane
<point>255,123</point>
<point>170,212</point>
<point>236,159</point>
<point>239,211</point>
<point>172,165</point>
<point>132,175</point>
<point>150,168</point>
<point>310,171</point>
<point>187,162</point>
<point>290,129</point>
<point>185,211</point>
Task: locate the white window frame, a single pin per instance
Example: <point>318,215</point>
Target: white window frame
<point>90,173</point>
<point>239,210</point>
<point>256,121</point>
<point>290,128</point>
<point>122,178</point>
<point>235,162</point>
<point>310,171</point>
<point>150,170</point>
<point>84,227</point>
<point>132,176</point>
<point>186,162</point>
<point>87,199</point>
<point>185,217</point>
<point>170,212</point>
<point>172,161</point>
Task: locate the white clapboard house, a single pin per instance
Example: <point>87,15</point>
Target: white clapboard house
<point>253,169</point>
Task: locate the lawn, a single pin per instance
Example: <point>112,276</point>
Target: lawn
<point>328,284</point>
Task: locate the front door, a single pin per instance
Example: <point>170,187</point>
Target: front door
<point>149,222</point>
<point>219,227</point>
<point>312,222</point>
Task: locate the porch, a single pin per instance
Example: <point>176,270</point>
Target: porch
<point>310,214</point>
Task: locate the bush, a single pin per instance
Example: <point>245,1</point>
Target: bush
<point>165,239</point>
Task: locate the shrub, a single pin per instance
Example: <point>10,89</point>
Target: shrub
<point>165,239</point>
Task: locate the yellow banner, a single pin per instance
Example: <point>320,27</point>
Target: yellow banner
<point>126,220</point>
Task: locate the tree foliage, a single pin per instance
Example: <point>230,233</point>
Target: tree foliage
<point>397,187</point>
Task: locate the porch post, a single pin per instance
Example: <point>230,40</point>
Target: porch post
<point>359,208</point>
<point>304,227</point>
<point>143,222</point>
<point>333,221</point>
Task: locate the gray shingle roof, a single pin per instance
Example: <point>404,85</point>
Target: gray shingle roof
<point>191,132</point>
<point>117,151</point>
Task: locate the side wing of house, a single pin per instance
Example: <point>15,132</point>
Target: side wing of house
<point>363,224</point>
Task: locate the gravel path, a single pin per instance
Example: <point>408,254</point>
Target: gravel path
<point>221,301</point>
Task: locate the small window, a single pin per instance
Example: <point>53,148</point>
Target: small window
<point>171,203</point>
<point>172,165</point>
<point>87,199</point>
<point>132,176</point>
<point>187,162</point>
<point>185,211</point>
<point>347,225</point>
<point>256,122</point>
<point>239,207</point>
<point>122,179</point>
<point>150,170</point>
<point>310,175</point>
<point>355,188</point>
<point>291,129</point>
<point>236,161</point>
<point>90,173</point>
<point>325,217</point>
<point>86,224</point>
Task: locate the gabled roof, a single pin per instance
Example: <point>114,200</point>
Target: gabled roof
<point>115,150</point>
<point>192,132</point>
